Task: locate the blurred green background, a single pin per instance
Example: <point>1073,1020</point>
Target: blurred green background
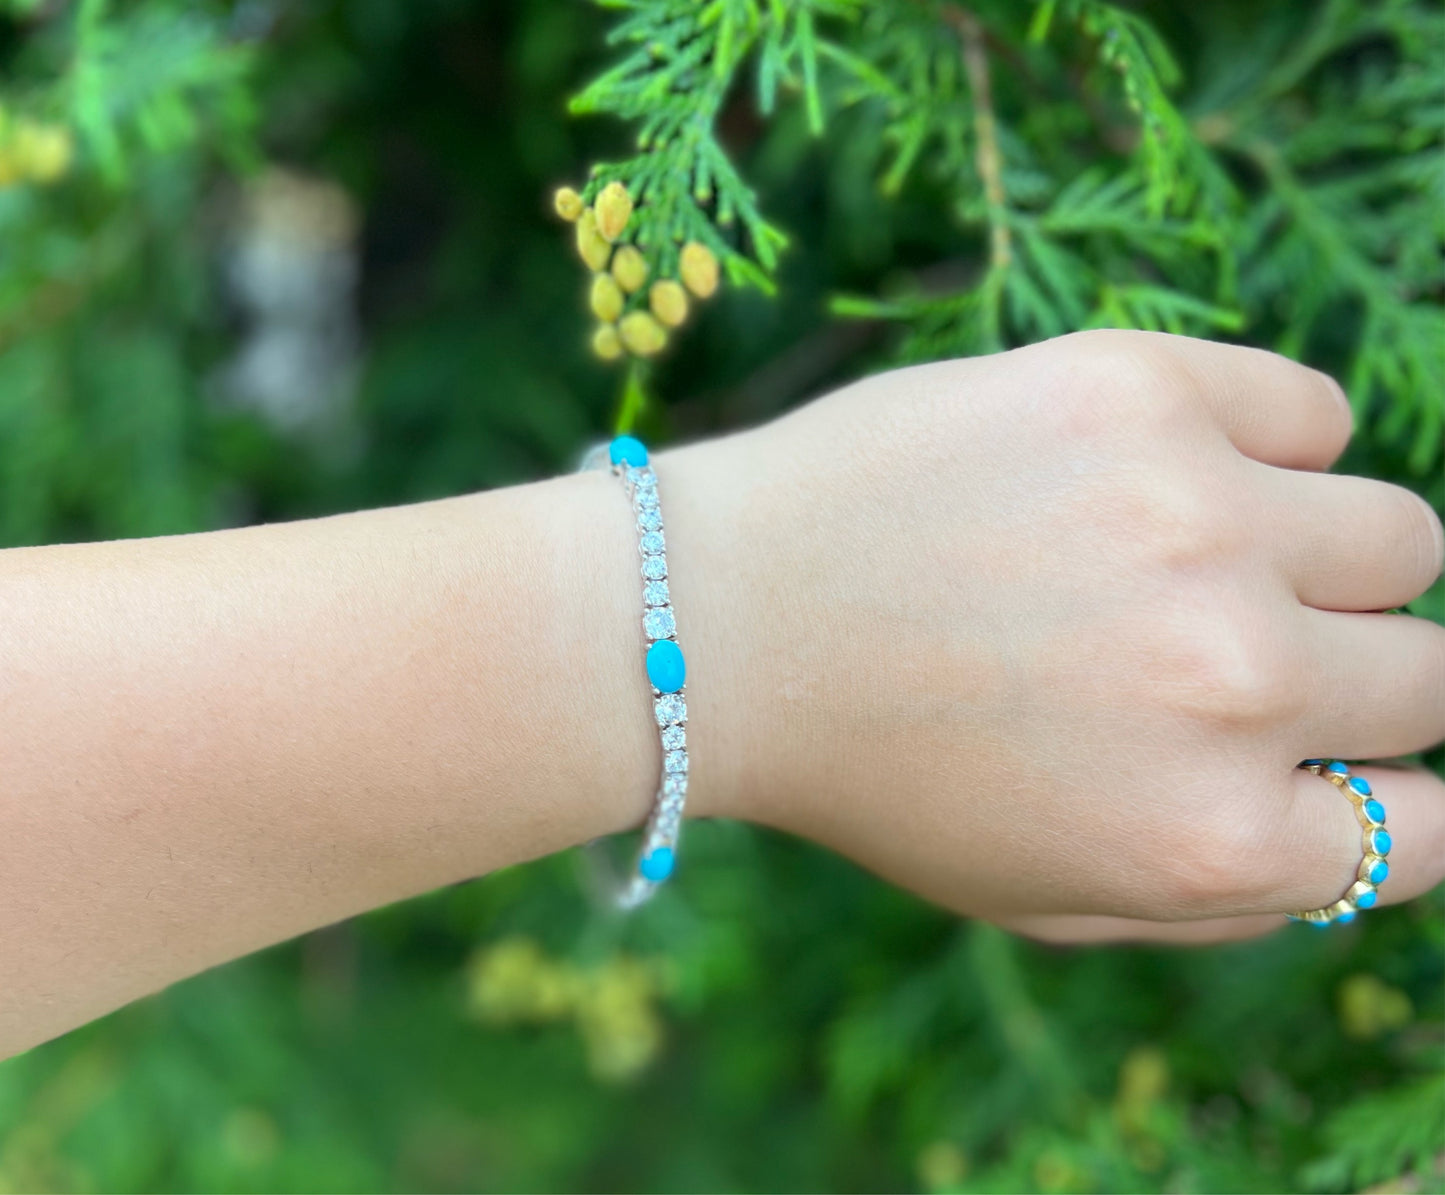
<point>270,260</point>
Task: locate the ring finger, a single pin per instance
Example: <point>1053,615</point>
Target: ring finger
<point>1081,929</point>
<point>1320,848</point>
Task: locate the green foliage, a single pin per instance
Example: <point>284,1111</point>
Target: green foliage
<point>1291,196</point>
<point>1271,172</point>
<point>1378,1136</point>
<point>102,273</point>
<point>673,81</point>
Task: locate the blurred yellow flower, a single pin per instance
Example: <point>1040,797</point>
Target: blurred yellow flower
<point>1369,1007</point>
<point>592,246</point>
<point>629,267</point>
<point>698,267</point>
<point>1143,1080</point>
<point>941,1166</point>
<point>33,151</point>
<point>606,298</point>
<point>614,208</point>
<point>668,302</point>
<point>613,1004</point>
<point>618,1020</point>
<point>567,203</point>
<point>642,334</point>
<point>43,151</point>
<point>512,981</point>
<point>606,343</point>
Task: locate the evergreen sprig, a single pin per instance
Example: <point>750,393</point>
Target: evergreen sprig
<point>678,69</point>
<point>1275,197</point>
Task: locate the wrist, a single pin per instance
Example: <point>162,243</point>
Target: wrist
<point>601,731</point>
<point>717,590</point>
<point>714,574</point>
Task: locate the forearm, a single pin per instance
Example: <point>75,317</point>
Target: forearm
<point>215,742</point>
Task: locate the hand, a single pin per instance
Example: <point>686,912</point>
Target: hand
<point>1044,634</point>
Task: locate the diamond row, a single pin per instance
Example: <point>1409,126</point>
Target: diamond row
<point>659,622</point>
<point>669,704</point>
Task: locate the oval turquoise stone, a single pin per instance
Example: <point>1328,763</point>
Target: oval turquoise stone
<point>628,450</point>
<point>1366,900</point>
<point>656,865</point>
<point>1383,842</point>
<point>1360,785</point>
<point>666,668</point>
<point>1374,810</point>
<point>1380,872</point>
<point>1338,768</point>
<point>1345,918</point>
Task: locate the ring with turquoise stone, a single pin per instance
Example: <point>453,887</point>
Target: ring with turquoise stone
<point>1375,843</point>
<point>666,671</point>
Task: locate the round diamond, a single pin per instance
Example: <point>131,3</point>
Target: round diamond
<point>651,543</point>
<point>654,593</point>
<point>676,761</point>
<point>670,709</point>
<point>646,499</point>
<point>674,788</point>
<point>674,738</point>
<point>650,520</point>
<point>660,623</point>
<point>654,568</point>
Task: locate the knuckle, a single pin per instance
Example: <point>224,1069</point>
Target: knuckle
<point>1112,377</point>
<point>1189,530</point>
<point>1220,670</point>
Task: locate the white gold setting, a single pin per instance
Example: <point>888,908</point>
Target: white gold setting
<point>659,622</point>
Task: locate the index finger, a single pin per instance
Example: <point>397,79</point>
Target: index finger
<point>1272,409</point>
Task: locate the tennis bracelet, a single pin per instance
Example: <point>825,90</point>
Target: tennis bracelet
<point>666,673</point>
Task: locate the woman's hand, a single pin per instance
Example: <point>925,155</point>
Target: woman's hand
<point>1045,634</point>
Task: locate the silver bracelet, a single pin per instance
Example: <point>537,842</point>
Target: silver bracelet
<point>666,673</point>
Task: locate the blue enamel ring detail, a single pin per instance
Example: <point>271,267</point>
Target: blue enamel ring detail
<point>1376,842</point>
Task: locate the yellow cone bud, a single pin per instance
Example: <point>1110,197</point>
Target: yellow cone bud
<point>629,267</point>
<point>593,249</point>
<point>698,268</point>
<point>668,302</point>
<point>614,209</point>
<point>42,152</point>
<point>606,299</point>
<point>605,343</point>
<point>642,334</point>
<point>568,203</point>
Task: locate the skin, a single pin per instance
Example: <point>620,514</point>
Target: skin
<point>1040,636</point>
